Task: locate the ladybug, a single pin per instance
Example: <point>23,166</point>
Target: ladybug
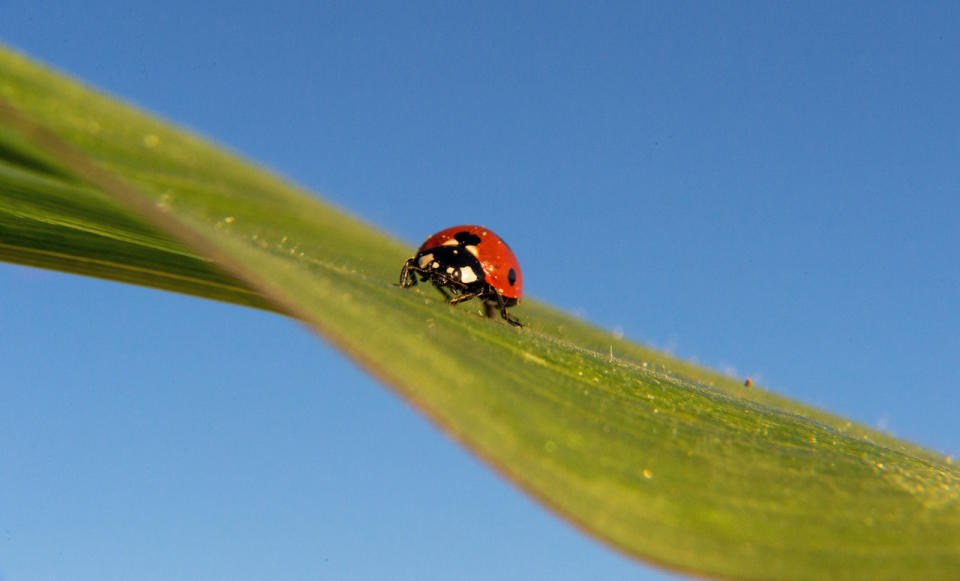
<point>466,262</point>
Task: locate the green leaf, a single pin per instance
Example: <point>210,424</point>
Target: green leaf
<point>663,460</point>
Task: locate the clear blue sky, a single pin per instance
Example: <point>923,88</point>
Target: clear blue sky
<point>765,188</point>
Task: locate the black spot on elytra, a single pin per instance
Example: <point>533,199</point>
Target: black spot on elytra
<point>466,238</point>
<point>512,277</point>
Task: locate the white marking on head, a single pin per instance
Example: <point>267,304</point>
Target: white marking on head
<point>473,250</point>
<point>451,242</point>
<point>425,260</point>
<point>449,270</point>
<point>467,275</point>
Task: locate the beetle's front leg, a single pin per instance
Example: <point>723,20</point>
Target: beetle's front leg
<point>407,279</point>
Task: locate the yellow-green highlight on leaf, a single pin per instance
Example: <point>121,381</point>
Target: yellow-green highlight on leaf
<point>661,459</point>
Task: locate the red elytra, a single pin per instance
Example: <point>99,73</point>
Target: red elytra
<point>496,258</point>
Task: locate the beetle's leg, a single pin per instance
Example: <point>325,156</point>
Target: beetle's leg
<point>510,318</point>
<point>501,304</point>
<point>407,279</point>
<point>465,297</point>
<point>448,287</point>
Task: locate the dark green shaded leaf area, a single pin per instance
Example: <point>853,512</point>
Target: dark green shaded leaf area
<point>665,461</point>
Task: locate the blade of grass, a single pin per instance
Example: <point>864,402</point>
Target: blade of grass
<point>50,220</point>
<point>661,459</point>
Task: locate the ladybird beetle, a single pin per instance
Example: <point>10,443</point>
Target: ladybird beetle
<point>466,262</point>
